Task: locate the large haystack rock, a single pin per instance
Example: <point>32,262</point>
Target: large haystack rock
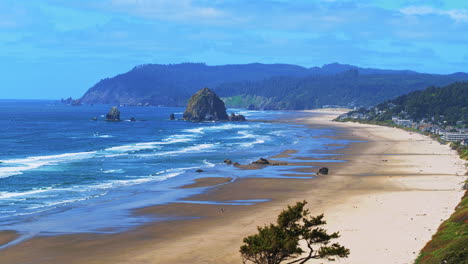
<point>205,105</point>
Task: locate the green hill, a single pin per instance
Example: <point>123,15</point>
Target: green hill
<point>436,105</point>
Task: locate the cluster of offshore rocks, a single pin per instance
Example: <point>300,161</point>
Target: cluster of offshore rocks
<point>204,105</point>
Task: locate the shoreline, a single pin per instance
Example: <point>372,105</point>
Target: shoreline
<point>353,204</point>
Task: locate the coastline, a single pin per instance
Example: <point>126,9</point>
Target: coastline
<point>384,210</point>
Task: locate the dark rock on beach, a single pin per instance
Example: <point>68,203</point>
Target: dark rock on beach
<point>132,119</point>
<point>205,105</point>
<point>228,161</point>
<point>323,171</point>
<point>261,161</point>
<point>172,116</point>
<point>113,115</point>
<point>199,170</point>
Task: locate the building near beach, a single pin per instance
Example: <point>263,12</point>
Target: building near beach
<point>454,136</point>
<point>403,122</point>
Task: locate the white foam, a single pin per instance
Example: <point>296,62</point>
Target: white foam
<point>114,171</point>
<point>30,163</point>
<point>245,134</point>
<point>227,126</point>
<point>208,164</point>
<point>51,204</point>
<point>34,162</point>
<point>251,144</point>
<point>177,139</point>
<point>194,148</point>
<point>7,195</point>
<point>158,176</point>
<point>104,136</point>
<point>148,145</point>
<point>198,130</point>
<point>132,147</point>
<point>115,155</point>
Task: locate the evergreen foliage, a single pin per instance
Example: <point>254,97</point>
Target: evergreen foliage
<point>445,105</point>
<point>277,243</point>
<point>351,88</point>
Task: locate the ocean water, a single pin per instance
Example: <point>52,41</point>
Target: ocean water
<point>61,172</point>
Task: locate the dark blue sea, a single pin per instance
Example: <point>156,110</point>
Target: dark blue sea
<point>61,172</point>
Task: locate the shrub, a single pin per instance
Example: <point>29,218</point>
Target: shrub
<point>276,243</point>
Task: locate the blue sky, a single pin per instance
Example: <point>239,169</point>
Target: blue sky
<point>60,48</point>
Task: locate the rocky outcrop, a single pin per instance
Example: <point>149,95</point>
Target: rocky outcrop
<point>228,161</point>
<point>172,116</point>
<point>113,115</point>
<point>261,161</point>
<point>132,119</point>
<point>234,117</point>
<point>323,171</point>
<point>205,105</point>
<point>71,101</point>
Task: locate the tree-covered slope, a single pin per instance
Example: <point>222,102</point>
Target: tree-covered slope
<point>262,86</point>
<point>173,84</point>
<point>349,88</point>
<point>438,105</point>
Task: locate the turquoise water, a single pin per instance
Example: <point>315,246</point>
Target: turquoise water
<point>61,172</point>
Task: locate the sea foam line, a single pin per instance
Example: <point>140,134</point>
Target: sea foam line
<point>18,166</point>
<point>35,162</point>
<point>194,148</point>
<point>228,126</point>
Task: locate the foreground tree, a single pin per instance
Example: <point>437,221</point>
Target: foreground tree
<point>279,243</point>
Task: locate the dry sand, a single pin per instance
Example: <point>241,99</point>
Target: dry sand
<point>386,202</point>
<point>422,180</point>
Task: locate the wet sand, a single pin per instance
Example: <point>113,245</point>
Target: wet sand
<point>206,182</point>
<point>7,237</point>
<point>386,201</point>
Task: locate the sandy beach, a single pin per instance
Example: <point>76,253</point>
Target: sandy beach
<point>386,200</point>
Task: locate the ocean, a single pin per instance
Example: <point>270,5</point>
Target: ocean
<point>61,172</point>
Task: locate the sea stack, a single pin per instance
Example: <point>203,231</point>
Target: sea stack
<point>113,115</point>
<point>205,105</point>
<point>234,117</point>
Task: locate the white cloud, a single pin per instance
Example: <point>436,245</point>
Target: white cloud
<point>458,15</point>
<point>168,9</point>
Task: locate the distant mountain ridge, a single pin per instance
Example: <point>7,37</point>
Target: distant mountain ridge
<point>350,89</point>
<point>261,86</point>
